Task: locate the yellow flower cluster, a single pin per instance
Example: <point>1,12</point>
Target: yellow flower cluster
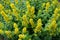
<point>54,2</point>
<point>30,10</point>
<point>39,26</point>
<point>16,30</point>
<point>1,7</point>
<point>21,36</point>
<point>8,33</point>
<point>28,5</point>
<point>19,39</point>
<point>56,10</point>
<point>32,22</point>
<point>12,6</point>
<point>24,30</point>
<point>52,26</point>
<point>56,13</point>
<point>15,25</point>
<point>15,13</point>
<point>25,21</point>
<point>47,5</point>
<point>5,16</point>
<point>18,18</point>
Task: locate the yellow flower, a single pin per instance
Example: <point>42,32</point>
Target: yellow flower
<point>32,22</point>
<point>25,21</point>
<point>24,30</point>
<point>39,22</point>
<point>55,2</point>
<point>28,5</point>
<point>1,7</point>
<point>32,9</point>
<point>10,12</point>
<point>56,10</point>
<point>3,13</point>
<point>22,36</point>
<point>1,31</point>
<point>19,39</point>
<point>52,26</point>
<point>35,30</point>
<point>5,16</point>
<point>47,5</point>
<point>8,33</point>
<point>15,13</point>
<point>39,26</point>
<point>12,5</point>
<point>16,31</point>
<point>56,15</point>
<point>15,25</point>
<point>24,17</point>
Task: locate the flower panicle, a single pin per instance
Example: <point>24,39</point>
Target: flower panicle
<point>25,21</point>
<point>12,5</point>
<point>22,36</point>
<point>28,5</point>
<point>24,30</point>
<point>39,26</point>
<point>47,5</point>
<point>32,22</point>
<point>15,25</point>
<point>6,18</point>
<point>15,13</point>
<point>16,31</point>
<point>52,25</point>
<point>1,7</point>
<point>8,33</point>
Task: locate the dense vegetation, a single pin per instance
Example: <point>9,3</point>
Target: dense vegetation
<point>29,20</point>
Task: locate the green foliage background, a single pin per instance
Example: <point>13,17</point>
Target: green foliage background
<point>40,13</point>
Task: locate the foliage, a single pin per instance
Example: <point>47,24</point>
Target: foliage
<point>30,19</point>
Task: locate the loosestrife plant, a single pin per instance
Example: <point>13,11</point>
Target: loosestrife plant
<point>29,20</point>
